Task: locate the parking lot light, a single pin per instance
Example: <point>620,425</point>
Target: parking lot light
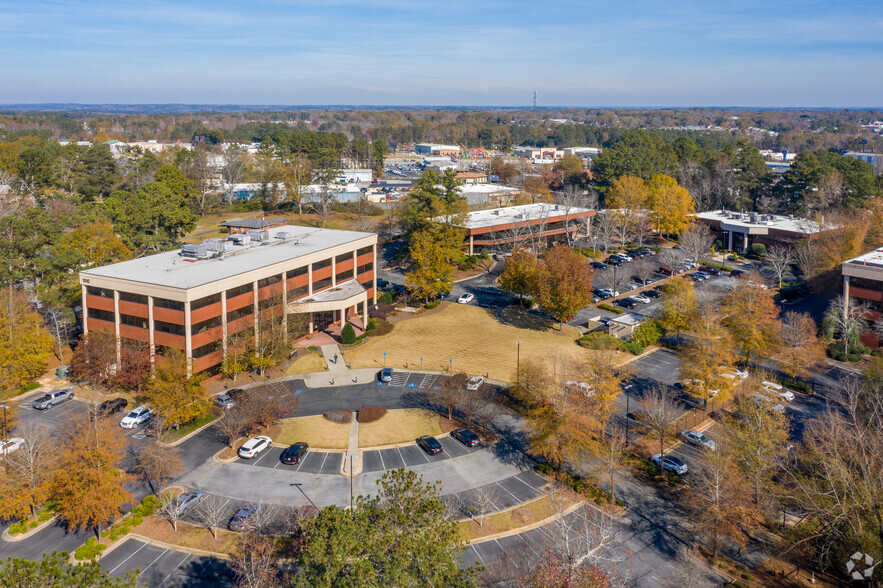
<point>518,363</point>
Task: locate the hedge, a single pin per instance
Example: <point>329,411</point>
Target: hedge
<point>369,414</point>
<point>795,385</point>
<point>856,350</point>
<point>600,340</point>
<point>723,268</point>
<point>432,304</point>
<point>90,550</point>
<point>339,416</point>
<point>609,308</point>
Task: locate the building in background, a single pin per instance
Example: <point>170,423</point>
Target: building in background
<point>350,176</point>
<point>197,298</point>
<point>243,225</point>
<point>737,231</point>
<point>470,177</point>
<point>539,153</point>
<point>503,228</point>
<point>437,149</point>
<point>867,154</point>
<point>489,194</point>
<point>863,285</point>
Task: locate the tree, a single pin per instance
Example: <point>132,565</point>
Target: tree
<point>157,464</point>
<point>847,318</point>
<point>325,200</point>
<point>240,349</point>
<point>347,334</point>
<point>779,259</point>
<point>449,392</point>
<point>398,537</point>
<point>90,488</point>
<point>750,315</point>
<point>430,274</point>
<point>807,258</point>
<point>96,173</point>
<point>232,424</point>
<point>706,362</point>
<point>661,413</point>
<point>56,569</point>
<point>103,364</point>
<point>696,241</point>
<point>176,397</point>
<point>802,351</point>
<point>25,344</point>
<point>266,171</point>
<point>212,513</point>
<point>28,472</point>
<point>95,244</point>
<point>520,274</point>
<point>670,205</point>
<point>679,309</point>
<point>378,151</point>
<point>564,284</point>
<point>254,562</point>
<point>628,193</point>
<point>297,172</point>
<point>156,215</point>
<point>234,167</point>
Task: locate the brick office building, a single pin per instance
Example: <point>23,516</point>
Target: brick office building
<point>195,298</point>
<point>504,227</point>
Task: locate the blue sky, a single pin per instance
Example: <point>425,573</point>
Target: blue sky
<point>589,53</point>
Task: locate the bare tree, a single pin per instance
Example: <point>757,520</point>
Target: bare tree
<point>611,458</point>
<point>254,563</point>
<point>570,199</point>
<point>32,464</point>
<point>478,503</point>
<point>488,407</point>
<point>847,318</point>
<point>157,464</point>
<point>696,240</point>
<point>297,173</point>
<point>212,513</point>
<point>670,257</point>
<point>621,224</point>
<point>198,170</point>
<point>324,201</point>
<point>234,168</point>
<point>808,258</point>
<point>59,320</point>
<point>231,425</point>
<point>644,269</point>
<point>602,229</point>
<point>168,509</point>
<point>686,572</point>
<point>10,201</point>
<point>661,412</point>
<point>266,517</point>
<point>449,393</point>
<point>779,259</point>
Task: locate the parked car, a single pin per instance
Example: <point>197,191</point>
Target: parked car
<point>633,286</point>
<point>598,265</point>
<point>652,293</point>
<point>698,276</point>
<point>474,383</point>
<point>640,298</point>
<point>466,437</point>
<point>737,273</point>
<point>10,445</point>
<point>466,298</point>
<point>638,280</point>
<point>778,390</point>
<point>754,284</point>
<point>702,274</point>
<point>625,257</point>
<point>187,500</point>
<point>583,387</point>
<point>382,284</point>
<point>615,261</point>
<point>224,402</point>
<point>638,416</point>
<point>670,463</point>
<point>136,417</point>
<point>429,444</point>
<point>712,271</point>
<point>626,302</point>
<point>599,293</point>
<point>242,519</point>
<point>109,407</point>
<point>697,438</point>
<point>52,398</point>
<point>152,426</point>
<point>294,453</point>
<point>767,402</point>
<point>385,375</point>
<point>666,271</point>
<point>254,446</point>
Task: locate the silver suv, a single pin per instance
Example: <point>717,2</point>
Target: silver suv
<point>52,398</point>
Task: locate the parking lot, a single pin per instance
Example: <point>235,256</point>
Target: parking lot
<point>315,462</point>
<point>56,417</point>
<point>411,455</point>
<point>165,567</point>
<point>502,494</point>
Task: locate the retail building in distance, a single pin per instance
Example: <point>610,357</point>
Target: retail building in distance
<point>198,297</point>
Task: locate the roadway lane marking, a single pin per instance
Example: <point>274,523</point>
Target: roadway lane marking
<point>154,561</point>
<point>143,545</point>
<point>175,569</point>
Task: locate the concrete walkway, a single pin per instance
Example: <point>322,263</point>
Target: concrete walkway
<point>352,461</point>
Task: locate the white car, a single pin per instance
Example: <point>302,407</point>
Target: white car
<point>641,298</point>
<point>766,401</point>
<point>786,395</point>
<point>474,383</point>
<point>136,417</point>
<point>697,438</point>
<point>466,298</point>
<point>625,257</point>
<point>754,284</point>
<point>10,445</point>
<point>254,446</point>
<point>583,387</point>
<point>633,286</point>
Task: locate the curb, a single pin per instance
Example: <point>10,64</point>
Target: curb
<point>162,544</point>
<point>29,533</point>
<point>526,528</point>
<point>191,434</point>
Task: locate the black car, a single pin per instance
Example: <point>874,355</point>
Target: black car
<point>652,293</point>
<point>486,302</point>
<point>737,273</point>
<point>598,265</point>
<point>638,280</point>
<point>466,437</point>
<point>615,261</point>
<point>109,407</point>
<point>600,293</point>
<point>429,444</point>
<point>294,453</point>
<point>382,284</point>
<point>626,303</point>
<point>151,427</point>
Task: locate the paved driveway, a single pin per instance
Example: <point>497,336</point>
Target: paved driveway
<point>314,462</point>
<point>166,567</point>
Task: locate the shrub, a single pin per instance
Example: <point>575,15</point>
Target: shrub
<point>339,416</point>
<point>380,327</point>
<point>546,468</point>
<point>599,340</point>
<point>28,387</point>
<point>312,348</point>
<point>347,334</point>
<point>372,324</point>
<point>856,350</point>
<point>90,550</point>
<point>612,309</point>
<point>369,414</point>
<point>432,304</point>
<point>150,503</point>
<point>632,348</point>
<point>387,298</point>
<point>758,249</point>
<point>465,262</point>
<point>648,333</point>
<point>33,524</point>
<point>18,528</point>
<point>44,516</point>
<point>589,252</point>
<point>138,511</point>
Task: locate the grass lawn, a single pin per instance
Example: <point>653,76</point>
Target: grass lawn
<point>537,510</point>
<point>315,430</point>
<point>399,426</point>
<point>306,363</point>
<point>473,338</point>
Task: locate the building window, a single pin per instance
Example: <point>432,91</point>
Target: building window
<point>345,275</point>
<point>206,349</point>
<point>321,284</point>
<point>298,292</point>
<point>239,313</point>
<point>271,301</point>
<point>343,258</point>
<point>368,282</point>
<point>269,281</point>
<point>101,315</point>
<point>366,268</point>
<point>321,265</point>
<point>297,272</point>
<point>133,321</point>
<point>205,325</point>
<point>136,298</point>
<point>103,292</point>
<point>206,301</point>
<point>243,289</point>
<point>170,328</point>
<point>365,250</point>
<point>170,304</point>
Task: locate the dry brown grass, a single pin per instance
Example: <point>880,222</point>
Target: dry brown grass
<point>399,426</point>
<point>473,338</point>
<point>526,514</point>
<point>306,364</point>
<point>188,535</point>
<point>315,430</point>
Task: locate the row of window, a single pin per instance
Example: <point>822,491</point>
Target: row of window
<point>136,321</point>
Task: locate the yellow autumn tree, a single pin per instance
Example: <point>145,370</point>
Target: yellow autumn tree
<point>707,363</point>
<point>670,205</point>
<point>96,244</point>
<point>176,398</point>
<point>629,193</point>
<point>679,308</point>
<point>430,274</point>
<point>802,350</point>
<point>25,344</point>
<point>750,315</point>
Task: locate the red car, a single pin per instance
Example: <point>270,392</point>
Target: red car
<point>711,271</point>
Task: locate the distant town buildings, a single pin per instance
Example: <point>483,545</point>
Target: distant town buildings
<point>436,149</point>
<point>868,155</point>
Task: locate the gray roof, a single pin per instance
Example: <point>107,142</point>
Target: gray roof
<point>171,270</point>
<point>253,223</point>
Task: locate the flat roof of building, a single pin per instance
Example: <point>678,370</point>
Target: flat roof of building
<point>253,223</point>
<point>515,214</point>
<point>873,258</point>
<point>172,270</point>
<point>747,221</point>
<point>631,319</point>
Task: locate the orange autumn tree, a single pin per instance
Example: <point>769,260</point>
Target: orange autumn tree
<point>750,315</point>
<point>564,283</point>
<point>802,351</point>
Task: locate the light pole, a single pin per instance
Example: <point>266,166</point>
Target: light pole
<point>627,397</point>
<point>518,364</point>
<point>5,432</point>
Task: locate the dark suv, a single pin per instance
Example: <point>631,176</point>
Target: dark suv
<point>109,407</point>
<point>429,444</point>
<point>294,453</point>
<point>466,437</point>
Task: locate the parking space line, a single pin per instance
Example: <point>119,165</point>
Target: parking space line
<point>175,569</point>
<point>531,486</point>
<point>300,462</point>
<point>517,500</point>
<point>323,461</point>
<point>481,559</point>
<point>382,465</point>
<point>399,449</point>
<point>262,456</point>
<point>154,561</point>
<point>143,545</point>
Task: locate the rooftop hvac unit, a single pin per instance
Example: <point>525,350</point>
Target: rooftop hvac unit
<point>195,251</point>
<point>283,235</point>
<point>240,239</point>
<point>218,245</point>
<point>258,234</point>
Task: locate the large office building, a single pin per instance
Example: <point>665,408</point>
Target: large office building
<point>197,298</point>
<point>504,227</point>
<point>737,231</point>
<point>863,285</point>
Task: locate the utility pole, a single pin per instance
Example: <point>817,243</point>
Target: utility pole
<point>518,364</point>
<point>534,99</point>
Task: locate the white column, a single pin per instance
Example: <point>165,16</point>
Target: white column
<point>845,296</point>
<point>224,333</point>
<point>285,306</point>
<point>85,310</point>
<point>150,328</point>
<point>730,235</point>
<point>188,342</point>
<point>116,323</point>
